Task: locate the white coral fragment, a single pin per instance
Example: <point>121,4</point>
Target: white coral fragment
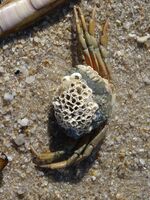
<point>74,105</point>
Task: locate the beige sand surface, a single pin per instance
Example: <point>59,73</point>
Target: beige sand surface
<point>44,53</point>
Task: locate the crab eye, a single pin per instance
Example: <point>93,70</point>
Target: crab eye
<point>76,76</point>
<point>66,78</point>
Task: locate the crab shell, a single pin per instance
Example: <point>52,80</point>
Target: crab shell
<point>83,102</point>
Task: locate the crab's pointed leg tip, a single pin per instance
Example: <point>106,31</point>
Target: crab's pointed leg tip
<point>94,11</point>
<point>39,167</point>
<point>75,11</point>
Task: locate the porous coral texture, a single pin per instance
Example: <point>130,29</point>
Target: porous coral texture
<point>74,105</point>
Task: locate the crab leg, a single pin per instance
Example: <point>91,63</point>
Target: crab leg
<point>93,48</point>
<point>89,148</point>
<point>87,48</point>
<point>92,23</point>
<point>82,40</point>
<point>104,37</point>
<point>90,40</point>
<point>17,14</point>
<point>65,163</point>
<point>71,160</point>
<point>47,156</point>
<point>80,154</point>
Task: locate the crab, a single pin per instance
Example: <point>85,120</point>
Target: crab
<point>84,101</point>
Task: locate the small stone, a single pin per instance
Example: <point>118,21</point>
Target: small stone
<point>118,22</point>
<point>127,25</point>
<point>6,77</point>
<point>93,172</point>
<point>142,39</point>
<point>119,196</point>
<point>58,195</point>
<point>30,79</point>
<point>19,140</point>
<point>142,161</point>
<point>8,96</point>
<point>146,80</point>
<point>36,39</point>
<point>132,124</point>
<point>44,183</point>
<point>40,173</point>
<point>23,122</point>
<point>24,70</point>
<point>10,157</point>
<point>21,192</point>
<point>122,154</point>
<point>119,53</point>
<point>5,47</point>
<point>22,41</point>
<point>93,178</point>
<point>1,58</point>
<point>2,70</point>
<point>132,35</point>
<point>13,49</point>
